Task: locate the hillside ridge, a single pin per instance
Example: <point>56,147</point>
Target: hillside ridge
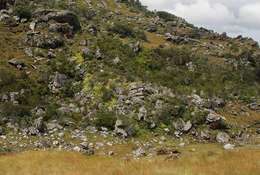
<point>76,73</point>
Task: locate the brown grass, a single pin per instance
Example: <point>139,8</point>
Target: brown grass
<point>239,162</point>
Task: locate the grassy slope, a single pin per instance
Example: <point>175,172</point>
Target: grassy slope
<point>210,160</point>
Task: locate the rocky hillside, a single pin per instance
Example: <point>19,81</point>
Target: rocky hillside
<point>75,71</point>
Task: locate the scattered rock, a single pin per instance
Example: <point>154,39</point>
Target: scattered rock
<point>229,146</point>
<point>254,106</point>
<point>182,127</point>
<point>187,127</point>
<point>216,121</point>
<point>136,47</point>
<point>152,28</point>
<point>120,129</point>
<point>180,40</point>
<point>205,135</point>
<point>111,153</point>
<point>222,137</point>
<point>142,114</point>
<point>140,152</point>
<point>98,54</point>
<point>46,41</point>
<point>217,103</point>
<point>17,63</point>
<point>85,52</point>
<point>175,154</point>
<point>59,80</point>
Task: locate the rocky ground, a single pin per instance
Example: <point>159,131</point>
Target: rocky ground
<point>91,76</point>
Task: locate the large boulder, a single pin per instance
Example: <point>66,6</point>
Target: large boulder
<point>60,16</point>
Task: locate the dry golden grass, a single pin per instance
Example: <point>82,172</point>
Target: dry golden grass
<point>205,162</point>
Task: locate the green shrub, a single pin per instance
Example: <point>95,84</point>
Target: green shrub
<point>176,56</point>
<point>23,9</point>
<point>123,29</point>
<point>6,78</point>
<point>126,30</point>
<point>105,119</point>
<point>15,112</point>
<point>166,16</point>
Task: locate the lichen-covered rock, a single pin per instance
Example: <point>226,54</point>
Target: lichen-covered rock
<point>60,16</point>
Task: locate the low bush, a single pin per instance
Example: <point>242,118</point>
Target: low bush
<point>127,30</point>
<point>23,9</point>
<point>105,119</point>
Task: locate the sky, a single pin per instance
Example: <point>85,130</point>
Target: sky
<point>236,17</point>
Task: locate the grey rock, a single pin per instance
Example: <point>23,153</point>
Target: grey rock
<point>222,137</point>
<point>229,146</point>
<point>39,125</point>
<point>217,103</point>
<point>142,114</point>
<point>180,40</point>
<point>83,42</point>
<point>111,153</point>
<point>216,121</point>
<point>205,135</point>
<point>87,148</point>
<point>136,47</point>
<point>60,16</point>
<point>254,106</point>
<point>28,52</point>
<point>122,129</point>
<point>17,63</point>
<point>32,25</point>
<point>53,125</point>
<point>4,98</point>
<point>98,54</point>
<point>32,131</point>
<point>152,28</point>
<point>213,117</point>
<point>140,152</point>
<point>197,100</point>
<point>116,60</point>
<point>59,80</point>
<point>181,126</point>
<point>187,127</point>
<point>85,52</point>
